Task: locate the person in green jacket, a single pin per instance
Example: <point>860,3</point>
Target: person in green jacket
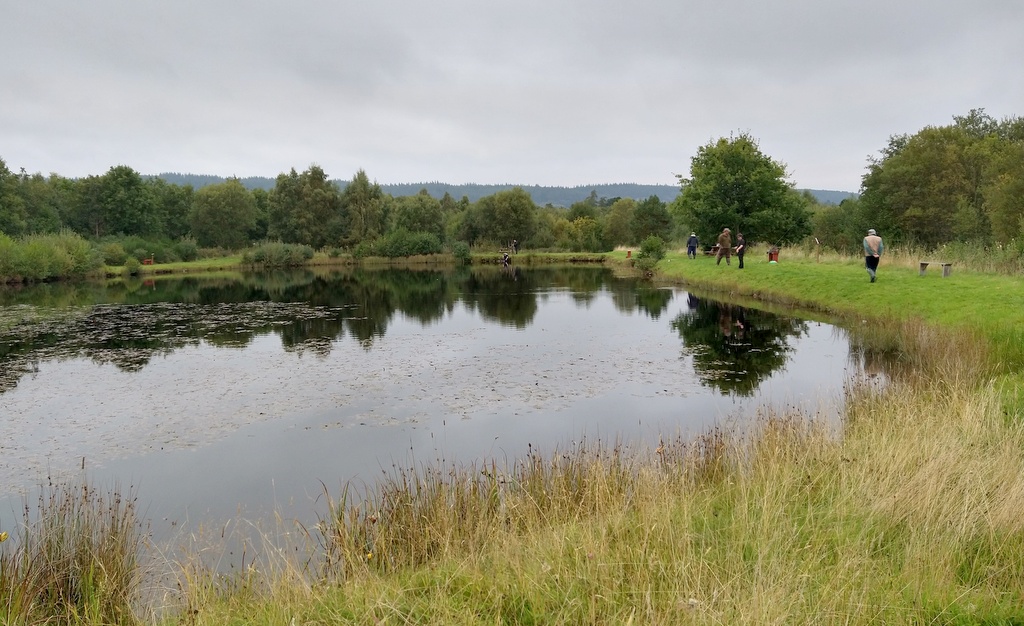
<point>724,247</point>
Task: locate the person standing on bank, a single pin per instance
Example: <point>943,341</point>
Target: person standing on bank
<point>741,248</point>
<point>873,248</point>
<point>724,247</point>
<point>691,246</point>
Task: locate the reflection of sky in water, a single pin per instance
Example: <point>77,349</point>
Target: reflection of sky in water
<point>201,430</point>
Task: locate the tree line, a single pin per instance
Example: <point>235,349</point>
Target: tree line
<point>963,182</point>
<point>960,182</point>
<point>309,208</point>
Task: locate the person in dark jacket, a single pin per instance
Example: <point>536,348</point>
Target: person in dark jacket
<point>741,248</point>
<point>691,246</point>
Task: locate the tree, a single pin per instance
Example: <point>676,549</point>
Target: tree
<point>127,204</point>
<point>924,189</point>
<point>507,215</point>
<point>1004,193</point>
<point>955,182</point>
<point>223,214</point>
<point>841,227</point>
<point>419,214</point>
<point>174,204</point>
<point>732,183</point>
<point>305,208</point>
<point>618,229</point>
<point>365,207</point>
<point>585,235</point>
<point>261,198</point>
<point>85,214</point>
<point>13,217</point>
<point>651,218</point>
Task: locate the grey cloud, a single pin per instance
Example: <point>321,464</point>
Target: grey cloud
<point>533,91</point>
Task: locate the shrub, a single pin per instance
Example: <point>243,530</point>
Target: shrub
<point>277,254</point>
<point>363,249</point>
<point>651,251</point>
<point>460,250</point>
<point>132,265</point>
<point>47,257</point>
<point>187,249</point>
<point>402,243</point>
<point>113,253</point>
<point>8,251</point>
<point>653,248</point>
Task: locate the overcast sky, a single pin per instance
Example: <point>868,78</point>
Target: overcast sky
<point>547,92</point>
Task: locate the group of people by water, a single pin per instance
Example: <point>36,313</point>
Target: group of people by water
<point>873,249</point>
<point>724,247</point>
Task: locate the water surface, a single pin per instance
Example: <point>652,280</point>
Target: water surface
<point>212,397</point>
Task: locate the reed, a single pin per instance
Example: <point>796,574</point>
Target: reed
<point>74,560</point>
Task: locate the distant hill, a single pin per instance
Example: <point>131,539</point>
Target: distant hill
<point>542,196</point>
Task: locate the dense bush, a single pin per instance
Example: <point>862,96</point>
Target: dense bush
<point>117,249</point>
<point>187,249</point>
<point>401,243</point>
<point>363,249</point>
<point>131,266</point>
<point>460,250</point>
<point>113,253</point>
<point>277,254</point>
<point>47,257</point>
<point>651,251</point>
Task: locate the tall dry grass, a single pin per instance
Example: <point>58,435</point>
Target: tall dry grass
<point>911,516</point>
<point>991,259</point>
<point>74,559</point>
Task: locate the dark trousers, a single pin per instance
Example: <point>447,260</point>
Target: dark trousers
<point>739,255</point>
<point>871,263</point>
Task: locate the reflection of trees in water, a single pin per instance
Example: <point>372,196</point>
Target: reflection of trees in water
<point>502,297</point>
<point>653,301</point>
<point>128,323</point>
<point>629,296</point>
<point>734,348</point>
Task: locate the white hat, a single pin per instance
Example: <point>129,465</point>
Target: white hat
<point>871,231</point>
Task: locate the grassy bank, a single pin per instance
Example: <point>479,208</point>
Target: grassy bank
<point>911,516</point>
<point>988,306</point>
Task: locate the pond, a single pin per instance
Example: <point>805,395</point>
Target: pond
<point>217,397</point>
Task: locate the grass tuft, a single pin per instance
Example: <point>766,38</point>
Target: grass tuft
<point>75,559</point>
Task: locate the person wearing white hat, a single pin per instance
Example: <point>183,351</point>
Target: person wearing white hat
<point>691,245</point>
<point>873,248</point>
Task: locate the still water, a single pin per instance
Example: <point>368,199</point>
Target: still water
<point>223,397</point>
